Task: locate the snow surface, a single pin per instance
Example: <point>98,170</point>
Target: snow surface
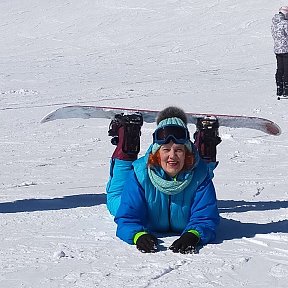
<point>205,56</point>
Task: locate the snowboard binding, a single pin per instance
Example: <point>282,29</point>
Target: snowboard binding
<point>126,131</point>
<point>207,138</point>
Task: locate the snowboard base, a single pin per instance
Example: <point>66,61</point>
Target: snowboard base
<point>149,116</point>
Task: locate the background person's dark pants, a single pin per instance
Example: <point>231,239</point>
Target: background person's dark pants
<point>282,68</point>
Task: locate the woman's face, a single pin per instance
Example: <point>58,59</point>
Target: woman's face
<point>172,158</point>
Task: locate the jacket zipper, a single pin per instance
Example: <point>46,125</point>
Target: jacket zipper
<point>169,206</point>
<point>169,211</point>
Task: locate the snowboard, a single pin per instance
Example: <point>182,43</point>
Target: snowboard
<point>149,116</point>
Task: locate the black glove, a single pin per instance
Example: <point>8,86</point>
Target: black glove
<point>186,244</point>
<point>147,243</point>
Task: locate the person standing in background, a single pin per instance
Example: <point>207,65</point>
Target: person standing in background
<point>279,30</point>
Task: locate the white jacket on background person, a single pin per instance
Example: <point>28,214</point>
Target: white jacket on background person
<point>279,30</point>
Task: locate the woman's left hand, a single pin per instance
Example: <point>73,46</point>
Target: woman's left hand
<point>186,244</point>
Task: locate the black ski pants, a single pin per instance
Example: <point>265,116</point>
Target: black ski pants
<point>282,68</point>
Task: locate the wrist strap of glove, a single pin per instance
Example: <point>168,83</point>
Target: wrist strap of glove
<point>195,232</point>
<point>138,235</point>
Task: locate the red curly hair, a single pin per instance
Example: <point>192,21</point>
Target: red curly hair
<point>154,160</point>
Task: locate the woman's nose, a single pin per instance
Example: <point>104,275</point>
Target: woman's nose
<point>172,153</point>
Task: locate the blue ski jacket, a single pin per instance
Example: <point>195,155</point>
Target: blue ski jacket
<point>144,208</point>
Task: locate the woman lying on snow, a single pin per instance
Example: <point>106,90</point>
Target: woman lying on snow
<point>169,189</point>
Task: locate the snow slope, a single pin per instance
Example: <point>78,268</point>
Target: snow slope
<point>205,56</point>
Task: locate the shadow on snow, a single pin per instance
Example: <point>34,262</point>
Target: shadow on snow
<point>244,206</point>
<point>233,229</point>
<point>229,229</point>
<point>66,202</point>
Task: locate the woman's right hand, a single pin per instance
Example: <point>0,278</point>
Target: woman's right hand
<point>147,243</point>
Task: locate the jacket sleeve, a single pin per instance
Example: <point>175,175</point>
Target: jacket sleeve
<point>204,212</point>
<point>131,216</point>
<point>119,169</point>
<point>285,28</point>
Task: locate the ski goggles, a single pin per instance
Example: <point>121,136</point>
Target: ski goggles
<point>176,133</point>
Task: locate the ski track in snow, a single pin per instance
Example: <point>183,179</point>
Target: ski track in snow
<point>55,228</point>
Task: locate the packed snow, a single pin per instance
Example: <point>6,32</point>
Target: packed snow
<point>212,56</point>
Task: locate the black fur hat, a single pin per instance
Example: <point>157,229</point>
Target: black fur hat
<point>171,111</point>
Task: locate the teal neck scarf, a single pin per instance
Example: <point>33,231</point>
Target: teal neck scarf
<point>169,187</point>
